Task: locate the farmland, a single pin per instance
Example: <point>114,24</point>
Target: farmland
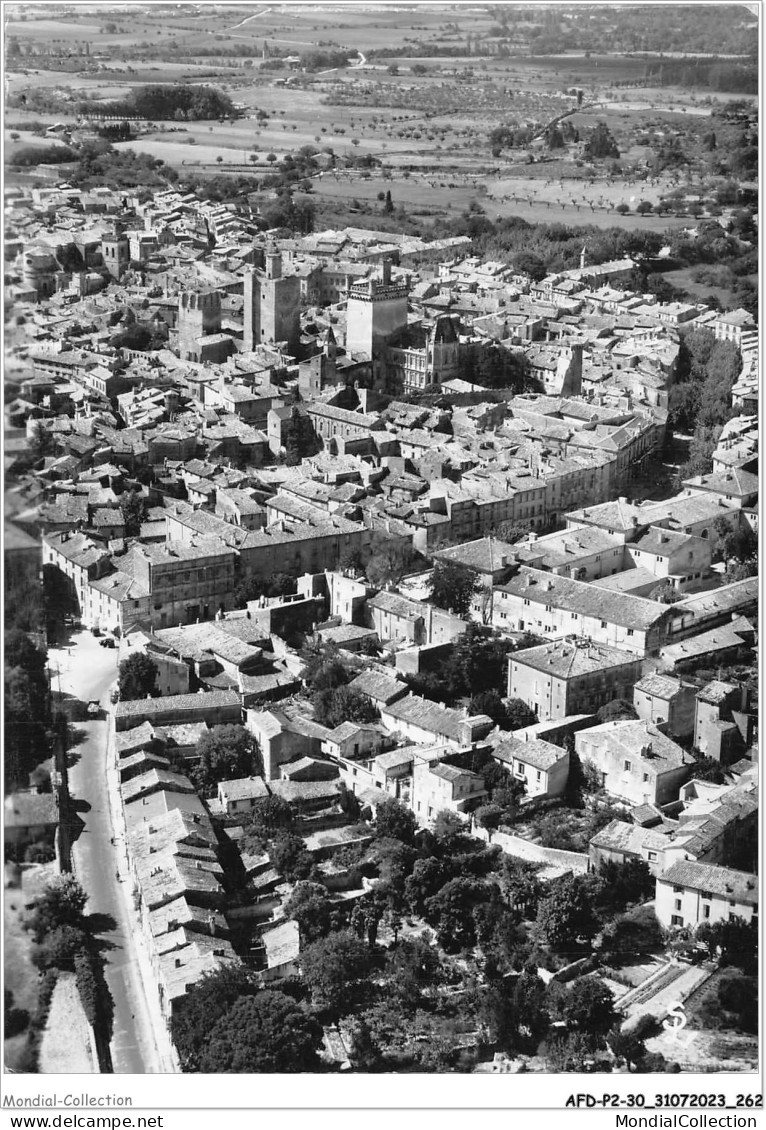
<point>419,116</point>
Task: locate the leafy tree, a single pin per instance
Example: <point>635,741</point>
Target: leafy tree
<point>39,441</point>
<point>493,365</point>
<point>394,821</point>
<point>739,995</point>
<point>300,439</point>
<point>365,1053</point>
<point>600,143</point>
<point>225,753</point>
<point>665,593</point>
<point>490,703</point>
<point>489,817</point>
<point>589,1006</point>
<point>138,676</point>
<point>333,968</point>
<point>733,940</point>
<point>26,706</point>
<point>394,861</point>
<point>390,559</point>
<point>208,1000</point>
<point>708,769</point>
<point>516,529</point>
<point>61,903</point>
<point>413,968</point>
<point>427,878</point>
<point>573,1053</point>
<point>626,1046</point>
<point>451,912</point>
<point>529,1004</point>
<point>289,856</point>
<point>518,714</point>
<point>333,706</point>
<point>324,671</point>
<point>251,588</point>
<point>739,544</point>
<point>271,814</point>
<point>134,507</point>
<point>267,1033</point>
<point>624,883</point>
<point>477,662</point>
<point>448,829</point>
<point>565,915</point>
<point>309,905</point>
<point>59,947</point>
<point>617,710</point>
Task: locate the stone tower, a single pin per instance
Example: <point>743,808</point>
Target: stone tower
<point>198,316</point>
<point>376,312</point>
<point>115,252</point>
<point>272,306</point>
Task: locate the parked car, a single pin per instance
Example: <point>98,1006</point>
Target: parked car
<point>94,707</point>
<point>107,641</point>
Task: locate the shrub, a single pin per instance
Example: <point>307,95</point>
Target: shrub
<point>39,852</point>
<point>87,983</point>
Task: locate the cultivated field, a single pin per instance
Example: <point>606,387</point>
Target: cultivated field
<point>428,128</point>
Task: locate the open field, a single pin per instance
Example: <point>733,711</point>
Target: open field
<point>428,131</point>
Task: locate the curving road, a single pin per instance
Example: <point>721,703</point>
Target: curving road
<point>88,671</point>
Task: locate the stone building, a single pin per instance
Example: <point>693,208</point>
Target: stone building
<point>199,315</point>
<point>272,306</point>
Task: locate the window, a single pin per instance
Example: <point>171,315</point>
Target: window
<point>676,920</point>
<point>603,623</point>
<point>652,856</point>
<point>677,904</point>
<point>646,776</point>
<point>706,911</point>
<point>630,631</point>
<point>627,765</point>
<point>539,775</point>
<point>678,890</point>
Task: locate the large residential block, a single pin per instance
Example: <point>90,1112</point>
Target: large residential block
<point>637,762</point>
<point>691,894</point>
<point>573,676</point>
<point>549,605</point>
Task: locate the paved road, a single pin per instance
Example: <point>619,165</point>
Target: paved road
<point>88,671</point>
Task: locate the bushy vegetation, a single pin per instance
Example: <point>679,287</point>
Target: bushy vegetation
<point>43,155</point>
<point>27,713</point>
<point>179,102</point>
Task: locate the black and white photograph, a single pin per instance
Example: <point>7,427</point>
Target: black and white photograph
<point>381,494</point>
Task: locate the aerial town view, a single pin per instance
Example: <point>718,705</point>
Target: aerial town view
<point>381,538</point>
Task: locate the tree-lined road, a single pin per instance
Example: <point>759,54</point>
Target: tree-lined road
<point>88,671</point>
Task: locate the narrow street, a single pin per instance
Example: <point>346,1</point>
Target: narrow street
<point>88,671</point>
